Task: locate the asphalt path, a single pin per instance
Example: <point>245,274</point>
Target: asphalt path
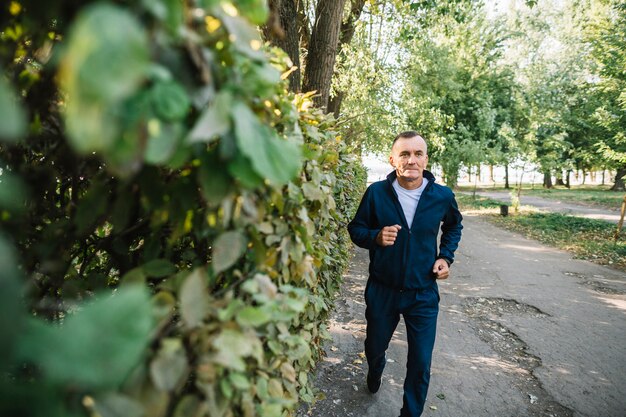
<point>524,330</point>
<point>555,205</point>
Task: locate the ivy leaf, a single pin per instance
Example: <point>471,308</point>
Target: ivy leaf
<point>255,10</point>
<point>170,100</point>
<point>169,366</point>
<point>233,346</point>
<point>312,192</point>
<point>98,346</point>
<point>12,312</point>
<point>214,121</point>
<point>194,298</point>
<point>190,406</point>
<point>244,36</point>
<point>12,192</point>
<point>163,141</point>
<point>253,316</point>
<point>168,11</point>
<point>239,381</point>
<point>91,207</point>
<point>159,268</point>
<point>13,118</point>
<point>214,180</point>
<point>227,249</point>
<point>271,157</point>
<point>105,62</point>
<point>241,169</point>
<point>117,405</point>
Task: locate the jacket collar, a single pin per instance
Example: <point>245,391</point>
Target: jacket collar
<point>427,174</point>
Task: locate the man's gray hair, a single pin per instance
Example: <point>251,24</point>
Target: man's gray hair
<point>406,135</point>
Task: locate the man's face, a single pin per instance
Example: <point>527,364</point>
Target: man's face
<point>409,157</point>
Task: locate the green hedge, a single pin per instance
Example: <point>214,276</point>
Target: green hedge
<point>172,220</point>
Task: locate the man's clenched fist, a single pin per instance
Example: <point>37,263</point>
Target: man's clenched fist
<point>387,235</point>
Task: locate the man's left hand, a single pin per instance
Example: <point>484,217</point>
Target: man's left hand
<point>441,269</point>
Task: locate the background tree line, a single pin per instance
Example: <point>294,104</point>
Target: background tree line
<point>495,83</point>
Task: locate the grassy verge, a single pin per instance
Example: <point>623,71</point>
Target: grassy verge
<point>597,196</point>
<point>588,239</point>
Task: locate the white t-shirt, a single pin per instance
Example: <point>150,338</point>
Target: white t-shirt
<point>409,199</point>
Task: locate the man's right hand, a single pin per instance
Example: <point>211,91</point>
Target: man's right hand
<point>387,235</point>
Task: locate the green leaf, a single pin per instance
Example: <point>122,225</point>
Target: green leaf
<point>244,36</point>
<point>271,410</point>
<point>105,62</point>
<point>261,388</point>
<point>163,141</point>
<point>253,316</point>
<point>255,10</point>
<point>91,207</point>
<point>239,381</point>
<point>214,121</point>
<point>194,298</point>
<point>241,169</point>
<point>117,405</point>
<point>227,388</point>
<point>12,313</point>
<point>13,123</point>
<point>134,276</point>
<point>233,346</point>
<point>189,406</point>
<point>169,366</point>
<point>168,11</point>
<point>214,180</point>
<point>170,100</point>
<point>159,268</point>
<point>98,346</point>
<point>227,249</point>
<point>12,192</point>
<point>312,192</point>
<point>272,158</point>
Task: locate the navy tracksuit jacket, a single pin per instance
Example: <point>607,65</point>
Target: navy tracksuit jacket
<point>407,264</point>
<point>401,280</point>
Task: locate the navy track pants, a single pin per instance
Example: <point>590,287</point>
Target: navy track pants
<point>419,309</point>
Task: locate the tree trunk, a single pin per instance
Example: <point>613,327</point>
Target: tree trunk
<point>303,25</point>
<point>619,180</point>
<point>347,32</point>
<point>547,179</point>
<point>567,178</point>
<point>323,50</point>
<point>506,177</point>
<point>584,177</point>
<point>491,176</point>
<point>282,31</point>
<point>603,176</point>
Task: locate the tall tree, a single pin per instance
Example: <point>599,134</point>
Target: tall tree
<point>606,37</point>
<point>282,30</point>
<point>320,38</point>
<point>323,49</point>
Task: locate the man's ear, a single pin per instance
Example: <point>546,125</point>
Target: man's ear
<point>391,160</point>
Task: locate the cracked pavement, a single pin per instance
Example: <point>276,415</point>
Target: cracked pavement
<point>524,330</point>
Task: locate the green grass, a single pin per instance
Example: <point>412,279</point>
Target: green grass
<point>597,196</point>
<point>468,203</point>
<point>588,239</point>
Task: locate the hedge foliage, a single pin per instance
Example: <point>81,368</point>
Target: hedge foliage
<point>172,220</point>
